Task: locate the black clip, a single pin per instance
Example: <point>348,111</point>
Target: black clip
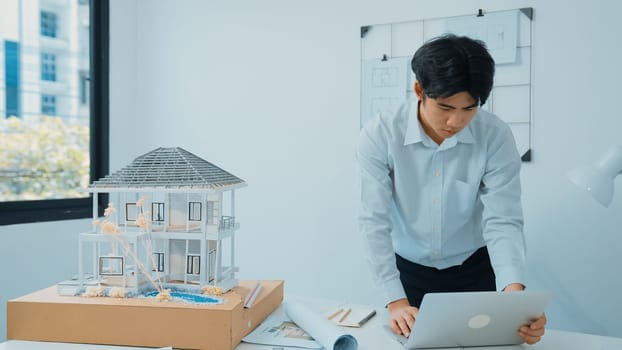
<point>384,57</point>
<point>480,13</point>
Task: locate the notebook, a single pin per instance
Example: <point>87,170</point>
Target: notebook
<point>464,319</point>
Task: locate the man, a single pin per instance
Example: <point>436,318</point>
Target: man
<point>440,187</point>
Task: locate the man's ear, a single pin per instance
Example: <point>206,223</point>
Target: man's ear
<point>418,90</point>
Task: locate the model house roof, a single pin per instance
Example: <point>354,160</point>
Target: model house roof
<point>169,168</point>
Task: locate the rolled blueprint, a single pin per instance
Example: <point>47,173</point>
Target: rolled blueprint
<point>322,330</point>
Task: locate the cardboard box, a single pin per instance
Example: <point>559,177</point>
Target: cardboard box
<point>46,316</point>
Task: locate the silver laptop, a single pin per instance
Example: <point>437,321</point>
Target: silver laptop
<point>466,319</point>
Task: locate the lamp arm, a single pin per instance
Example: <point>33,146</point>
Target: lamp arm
<point>611,161</point>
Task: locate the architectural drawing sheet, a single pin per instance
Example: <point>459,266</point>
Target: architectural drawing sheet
<point>499,30</point>
<point>385,86</point>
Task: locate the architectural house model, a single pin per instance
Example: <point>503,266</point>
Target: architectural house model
<point>189,204</point>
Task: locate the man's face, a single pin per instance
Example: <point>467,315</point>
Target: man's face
<point>442,118</point>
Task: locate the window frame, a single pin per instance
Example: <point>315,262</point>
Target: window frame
<point>48,104</point>
<point>48,24</point>
<point>18,212</point>
<point>48,66</point>
<point>157,215</point>
<point>193,210</point>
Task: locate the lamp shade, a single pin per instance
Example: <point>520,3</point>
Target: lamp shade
<point>598,179</point>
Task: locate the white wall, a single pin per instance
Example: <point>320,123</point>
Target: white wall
<point>36,256</point>
<point>270,92</point>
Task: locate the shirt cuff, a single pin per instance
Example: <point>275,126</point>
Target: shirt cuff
<point>393,291</point>
<point>509,275</point>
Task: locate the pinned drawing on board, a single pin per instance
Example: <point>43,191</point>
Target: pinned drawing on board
<point>509,37</point>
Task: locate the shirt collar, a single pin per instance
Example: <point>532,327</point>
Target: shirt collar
<point>415,132</point>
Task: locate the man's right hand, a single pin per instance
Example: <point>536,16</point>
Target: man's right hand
<point>402,316</point>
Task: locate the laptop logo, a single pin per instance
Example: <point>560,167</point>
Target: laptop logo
<point>479,321</point>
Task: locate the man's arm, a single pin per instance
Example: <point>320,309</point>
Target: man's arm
<point>502,217</point>
<point>374,214</point>
<point>503,223</point>
<point>376,190</point>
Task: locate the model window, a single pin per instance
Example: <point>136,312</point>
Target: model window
<point>131,211</point>
<point>193,264</point>
<point>157,211</point>
<point>158,259</point>
<point>111,265</point>
<point>210,212</point>
<point>194,211</point>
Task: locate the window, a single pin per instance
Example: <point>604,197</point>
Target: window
<point>193,264</point>
<point>210,212</point>
<point>111,265</point>
<point>158,259</point>
<point>84,88</point>
<point>49,24</point>
<point>157,211</point>
<point>48,104</point>
<point>131,212</point>
<point>48,66</point>
<point>11,78</point>
<point>30,189</point>
<point>194,211</point>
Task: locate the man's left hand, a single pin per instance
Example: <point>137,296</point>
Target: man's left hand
<point>532,333</point>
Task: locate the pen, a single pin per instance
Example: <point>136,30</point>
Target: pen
<point>335,313</point>
<point>345,315</point>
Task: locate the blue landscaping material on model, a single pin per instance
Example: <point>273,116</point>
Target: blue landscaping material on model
<point>188,297</point>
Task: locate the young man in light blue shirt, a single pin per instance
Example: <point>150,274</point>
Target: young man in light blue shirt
<point>440,202</point>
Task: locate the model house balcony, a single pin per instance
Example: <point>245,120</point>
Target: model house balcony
<point>227,223</point>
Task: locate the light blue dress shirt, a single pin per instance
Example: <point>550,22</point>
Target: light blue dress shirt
<point>435,205</point>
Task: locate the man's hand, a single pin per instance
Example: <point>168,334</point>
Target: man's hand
<point>532,333</point>
<point>402,316</point>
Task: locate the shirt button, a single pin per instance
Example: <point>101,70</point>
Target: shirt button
<point>436,201</point>
<point>437,173</point>
<point>436,228</point>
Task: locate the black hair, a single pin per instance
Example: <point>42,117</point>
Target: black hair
<point>449,64</point>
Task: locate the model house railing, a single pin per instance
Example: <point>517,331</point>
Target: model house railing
<point>227,223</point>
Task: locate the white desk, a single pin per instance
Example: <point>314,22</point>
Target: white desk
<point>372,337</point>
<point>35,345</point>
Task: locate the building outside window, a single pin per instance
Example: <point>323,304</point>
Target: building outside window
<point>84,87</point>
<point>32,109</point>
<point>11,78</point>
<point>48,104</point>
<point>49,24</point>
<point>48,66</point>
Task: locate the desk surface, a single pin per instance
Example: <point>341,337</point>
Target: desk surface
<point>372,337</point>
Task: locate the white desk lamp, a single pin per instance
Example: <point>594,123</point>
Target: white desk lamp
<point>598,179</point>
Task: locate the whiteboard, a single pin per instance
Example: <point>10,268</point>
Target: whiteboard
<point>387,78</point>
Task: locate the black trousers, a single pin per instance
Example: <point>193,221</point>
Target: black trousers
<point>475,274</point>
